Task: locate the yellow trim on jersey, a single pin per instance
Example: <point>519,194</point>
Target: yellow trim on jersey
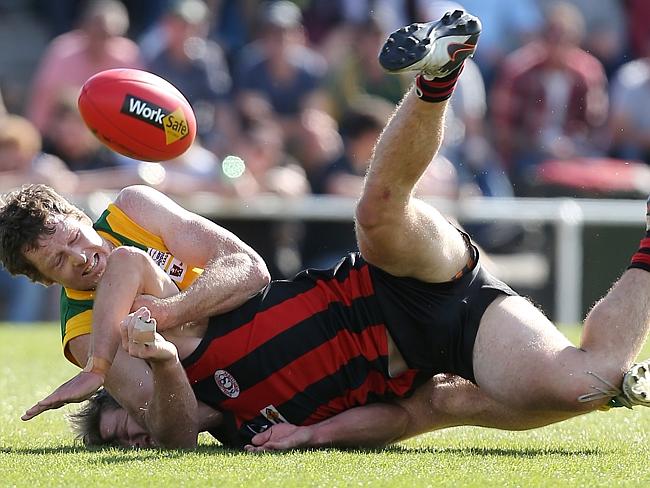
<point>122,224</point>
<point>77,326</point>
<point>127,230</point>
<point>80,295</point>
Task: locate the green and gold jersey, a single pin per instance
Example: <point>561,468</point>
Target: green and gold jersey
<point>115,226</point>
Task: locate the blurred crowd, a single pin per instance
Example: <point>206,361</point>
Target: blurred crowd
<point>555,102</point>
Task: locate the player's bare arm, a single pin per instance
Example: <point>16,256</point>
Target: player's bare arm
<point>233,271</point>
<point>129,272</point>
<point>172,402</point>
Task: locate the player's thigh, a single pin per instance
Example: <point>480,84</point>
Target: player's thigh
<point>521,359</point>
<point>416,241</point>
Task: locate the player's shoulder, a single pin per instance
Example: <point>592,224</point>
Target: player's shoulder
<point>136,199</point>
<point>146,206</point>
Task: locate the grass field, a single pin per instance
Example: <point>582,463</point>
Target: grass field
<point>600,449</point>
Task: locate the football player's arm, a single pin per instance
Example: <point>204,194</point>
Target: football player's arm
<point>129,272</point>
<point>233,271</point>
<point>370,426</point>
<point>170,410</point>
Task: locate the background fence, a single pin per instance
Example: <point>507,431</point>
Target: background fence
<point>591,240</point>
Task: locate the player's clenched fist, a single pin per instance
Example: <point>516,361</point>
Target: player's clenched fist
<point>140,339</point>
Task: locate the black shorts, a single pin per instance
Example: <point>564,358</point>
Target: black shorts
<point>434,325</point>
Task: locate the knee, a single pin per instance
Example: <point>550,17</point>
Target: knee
<point>380,204</point>
<point>369,213</point>
<point>454,396</point>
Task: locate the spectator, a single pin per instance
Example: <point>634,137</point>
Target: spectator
<point>21,161</point>
<point>196,170</point>
<point>550,99</point>
<point>507,25</point>
<point>638,13</point>
<point>233,25</point>
<point>356,72</point>
<point>323,17</point>
<point>466,143</point>
<point>630,114</point>
<point>70,59</point>
<point>194,64</point>
<point>281,68</point>
<point>269,170</point>
<point>605,29</point>
<point>67,137</point>
<point>344,176</point>
<point>318,143</point>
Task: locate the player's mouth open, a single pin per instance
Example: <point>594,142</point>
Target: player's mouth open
<point>93,263</point>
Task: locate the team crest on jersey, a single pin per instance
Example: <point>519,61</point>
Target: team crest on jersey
<point>169,264</point>
<point>226,383</point>
<point>272,415</point>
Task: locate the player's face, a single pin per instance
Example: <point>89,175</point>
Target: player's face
<point>74,255</point>
<point>117,426</point>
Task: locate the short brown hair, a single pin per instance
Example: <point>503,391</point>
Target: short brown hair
<point>24,219</point>
<point>85,422</point>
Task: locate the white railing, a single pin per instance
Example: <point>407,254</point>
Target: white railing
<point>567,215</point>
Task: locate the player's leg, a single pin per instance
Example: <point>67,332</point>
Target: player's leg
<point>395,231</point>
<point>520,358</point>
<point>450,401</point>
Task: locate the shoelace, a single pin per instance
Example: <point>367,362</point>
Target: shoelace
<point>613,392</point>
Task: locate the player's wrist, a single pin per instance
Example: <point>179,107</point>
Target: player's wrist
<point>98,365</point>
<point>170,311</point>
<point>315,436</point>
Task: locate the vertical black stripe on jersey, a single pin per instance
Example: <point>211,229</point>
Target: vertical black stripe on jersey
<point>260,364</point>
<point>353,375</point>
<point>274,294</point>
<point>300,408</point>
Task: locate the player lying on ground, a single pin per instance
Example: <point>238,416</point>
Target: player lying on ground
<point>46,238</point>
<point>418,286</point>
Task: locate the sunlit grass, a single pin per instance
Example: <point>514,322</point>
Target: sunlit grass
<point>600,449</point>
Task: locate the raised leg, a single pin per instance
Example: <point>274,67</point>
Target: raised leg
<point>394,230</point>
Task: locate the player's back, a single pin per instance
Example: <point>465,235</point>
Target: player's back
<point>300,351</point>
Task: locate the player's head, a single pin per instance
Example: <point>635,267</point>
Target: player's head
<point>49,240</point>
<point>103,422</point>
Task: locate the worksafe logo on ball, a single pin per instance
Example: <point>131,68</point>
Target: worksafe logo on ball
<point>226,383</point>
<point>173,123</point>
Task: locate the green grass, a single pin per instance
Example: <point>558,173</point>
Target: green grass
<point>600,449</point>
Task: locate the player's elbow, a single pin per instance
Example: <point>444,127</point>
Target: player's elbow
<point>260,273</point>
<point>257,274</point>
<point>126,257</point>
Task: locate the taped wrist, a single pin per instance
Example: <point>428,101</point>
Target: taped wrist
<point>97,365</point>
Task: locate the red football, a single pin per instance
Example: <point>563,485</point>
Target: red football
<point>137,114</point>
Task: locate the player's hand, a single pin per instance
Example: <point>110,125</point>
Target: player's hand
<point>158,349</point>
<point>280,437</point>
<point>76,390</point>
<point>158,308</point>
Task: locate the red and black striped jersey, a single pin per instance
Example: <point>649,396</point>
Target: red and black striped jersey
<point>300,351</point>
